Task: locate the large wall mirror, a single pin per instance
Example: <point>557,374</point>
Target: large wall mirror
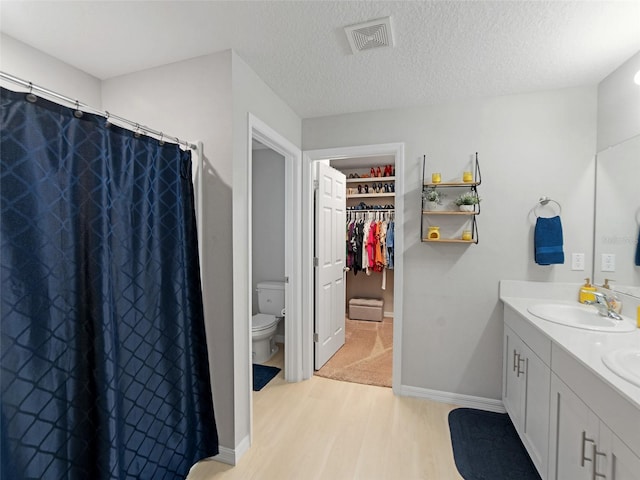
<point>617,218</point>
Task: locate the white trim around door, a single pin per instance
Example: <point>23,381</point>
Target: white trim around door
<point>260,131</point>
<point>307,310</point>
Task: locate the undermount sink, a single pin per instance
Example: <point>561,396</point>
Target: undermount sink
<point>624,362</point>
<point>579,316</point>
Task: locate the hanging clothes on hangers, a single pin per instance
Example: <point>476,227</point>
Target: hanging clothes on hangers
<point>369,240</point>
<point>390,240</point>
<point>350,244</point>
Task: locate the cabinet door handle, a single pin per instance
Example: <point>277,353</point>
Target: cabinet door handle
<point>584,448</point>
<point>594,470</point>
<point>516,356</point>
<point>520,360</point>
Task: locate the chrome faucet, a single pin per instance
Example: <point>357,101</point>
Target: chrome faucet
<point>603,304</point>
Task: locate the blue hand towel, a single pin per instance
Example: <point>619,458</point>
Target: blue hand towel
<point>548,241</point>
<point>638,250</point>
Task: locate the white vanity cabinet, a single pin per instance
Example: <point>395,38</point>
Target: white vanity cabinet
<point>582,446</point>
<point>526,384</point>
<point>576,418</point>
<point>590,420</point>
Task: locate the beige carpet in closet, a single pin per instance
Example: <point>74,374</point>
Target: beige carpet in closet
<point>366,356</point>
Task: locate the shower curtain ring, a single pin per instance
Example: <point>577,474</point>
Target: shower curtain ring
<point>77,113</point>
<point>161,141</point>
<point>31,98</point>
<point>107,123</point>
<point>137,132</point>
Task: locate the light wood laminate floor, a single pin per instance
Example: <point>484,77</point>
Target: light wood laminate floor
<point>330,430</point>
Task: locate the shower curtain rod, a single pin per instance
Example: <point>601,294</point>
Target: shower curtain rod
<point>138,128</point>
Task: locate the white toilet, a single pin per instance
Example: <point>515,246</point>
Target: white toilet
<point>265,323</point>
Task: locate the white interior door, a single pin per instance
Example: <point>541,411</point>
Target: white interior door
<point>329,270</point>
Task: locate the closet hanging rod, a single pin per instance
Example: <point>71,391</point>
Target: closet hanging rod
<point>366,210</point>
<point>32,86</point>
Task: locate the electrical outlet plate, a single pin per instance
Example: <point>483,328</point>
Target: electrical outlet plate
<point>577,261</point>
<point>608,262</point>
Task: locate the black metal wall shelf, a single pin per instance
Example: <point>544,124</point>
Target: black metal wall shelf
<point>472,186</point>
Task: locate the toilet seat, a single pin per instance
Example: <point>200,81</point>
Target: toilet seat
<point>262,321</point>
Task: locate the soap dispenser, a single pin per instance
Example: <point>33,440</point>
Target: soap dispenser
<point>614,301</point>
<point>584,295</point>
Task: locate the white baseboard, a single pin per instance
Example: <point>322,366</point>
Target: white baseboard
<point>388,314</point>
<point>232,456</point>
<point>481,403</point>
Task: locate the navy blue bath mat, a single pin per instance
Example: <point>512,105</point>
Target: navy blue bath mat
<point>262,374</point>
<point>486,446</point>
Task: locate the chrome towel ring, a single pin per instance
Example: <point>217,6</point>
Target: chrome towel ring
<point>544,201</point>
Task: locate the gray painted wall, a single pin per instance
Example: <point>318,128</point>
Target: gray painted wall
<point>27,63</point>
<point>529,146</point>
<point>250,95</point>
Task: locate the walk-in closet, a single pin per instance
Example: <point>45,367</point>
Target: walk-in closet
<point>369,233</point>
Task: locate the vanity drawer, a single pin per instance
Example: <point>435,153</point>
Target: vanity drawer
<point>537,341</point>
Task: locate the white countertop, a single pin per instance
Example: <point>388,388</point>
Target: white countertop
<point>586,346</point>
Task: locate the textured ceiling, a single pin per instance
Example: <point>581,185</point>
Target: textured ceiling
<point>444,51</point>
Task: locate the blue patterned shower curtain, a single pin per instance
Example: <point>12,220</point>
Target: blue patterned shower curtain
<point>104,370</point>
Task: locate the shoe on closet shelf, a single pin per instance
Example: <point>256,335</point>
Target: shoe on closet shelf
<point>379,172</point>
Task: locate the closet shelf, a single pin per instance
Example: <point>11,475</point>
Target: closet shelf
<point>363,195</point>
<point>371,179</point>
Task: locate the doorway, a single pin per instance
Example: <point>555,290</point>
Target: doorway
<point>396,151</point>
<point>267,253</point>
<point>368,306</point>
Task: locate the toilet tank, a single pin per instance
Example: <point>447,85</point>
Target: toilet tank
<point>271,297</point>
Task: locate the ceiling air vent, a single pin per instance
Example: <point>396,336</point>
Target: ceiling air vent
<point>369,35</point>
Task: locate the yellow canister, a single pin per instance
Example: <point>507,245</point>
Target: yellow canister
<point>467,177</point>
<point>436,178</point>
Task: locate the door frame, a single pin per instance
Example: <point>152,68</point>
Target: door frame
<point>260,131</point>
<point>308,227</point>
